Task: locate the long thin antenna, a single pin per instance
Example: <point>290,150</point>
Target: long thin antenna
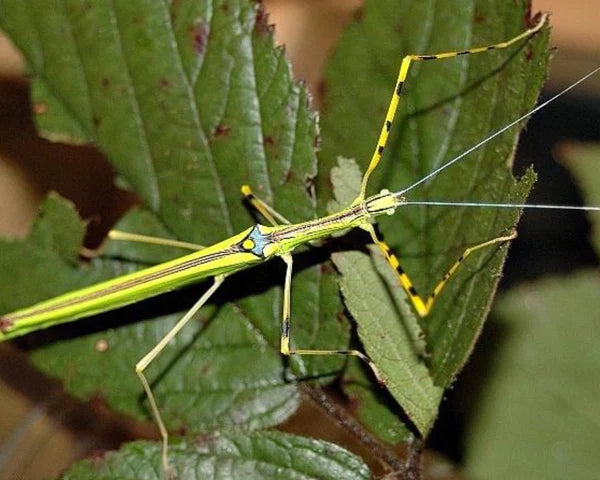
<point>494,135</point>
<point>502,205</point>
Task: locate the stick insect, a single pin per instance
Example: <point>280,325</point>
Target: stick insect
<point>256,245</point>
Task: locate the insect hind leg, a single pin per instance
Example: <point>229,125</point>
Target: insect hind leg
<point>423,305</point>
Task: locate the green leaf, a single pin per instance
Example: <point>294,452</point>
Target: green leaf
<point>537,415</point>
<point>189,100</point>
<point>583,160</point>
<point>390,345</point>
<point>447,107</point>
<point>48,256</point>
<point>267,455</point>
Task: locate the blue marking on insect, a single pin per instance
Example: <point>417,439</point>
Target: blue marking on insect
<point>256,241</point>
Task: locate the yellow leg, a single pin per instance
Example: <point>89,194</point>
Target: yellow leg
<point>167,242</point>
<point>263,208</point>
<point>152,354</point>
<point>402,74</point>
<point>118,235</point>
<point>286,328</point>
<point>423,305</point>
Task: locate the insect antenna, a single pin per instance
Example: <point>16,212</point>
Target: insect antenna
<point>503,205</point>
<point>401,194</point>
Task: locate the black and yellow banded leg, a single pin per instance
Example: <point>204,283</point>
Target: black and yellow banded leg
<point>263,208</point>
<point>152,354</point>
<point>423,305</point>
<point>120,236</point>
<point>286,328</point>
<point>402,74</point>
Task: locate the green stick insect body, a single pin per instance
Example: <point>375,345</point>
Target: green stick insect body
<point>246,249</point>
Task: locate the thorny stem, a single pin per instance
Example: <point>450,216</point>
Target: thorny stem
<point>378,449</point>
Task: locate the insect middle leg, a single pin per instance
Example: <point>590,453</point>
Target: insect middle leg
<point>263,208</point>
<point>152,354</point>
<point>286,349</point>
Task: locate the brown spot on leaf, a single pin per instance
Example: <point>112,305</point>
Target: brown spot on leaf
<point>199,36</point>
<point>479,17</point>
<point>101,346</point>
<point>40,108</point>
<point>5,324</point>
<point>268,140</point>
<point>261,23</point>
<point>222,130</point>
<point>204,440</point>
<point>105,82</point>
<point>529,53</point>
<point>164,83</point>
<point>205,368</point>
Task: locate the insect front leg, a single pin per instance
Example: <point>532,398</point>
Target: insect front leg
<point>121,236</point>
<point>423,305</point>
<point>270,214</point>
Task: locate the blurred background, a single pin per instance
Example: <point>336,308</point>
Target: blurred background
<point>42,432</point>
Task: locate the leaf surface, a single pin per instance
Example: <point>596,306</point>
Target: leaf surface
<point>537,414</point>
<point>259,455</point>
